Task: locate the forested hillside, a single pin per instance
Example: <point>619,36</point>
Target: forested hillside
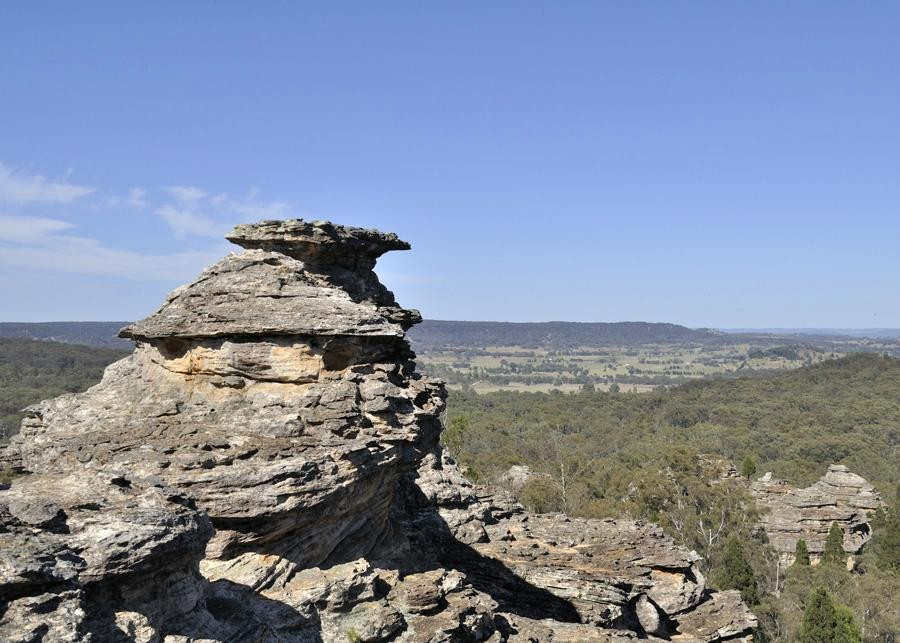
<point>31,371</point>
<point>633,356</point>
<point>103,334</point>
<point>793,423</point>
<point>659,456</point>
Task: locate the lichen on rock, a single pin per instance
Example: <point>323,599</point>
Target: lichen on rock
<point>266,466</point>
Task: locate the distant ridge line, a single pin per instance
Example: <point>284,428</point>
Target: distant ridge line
<point>95,333</point>
<point>436,333</point>
<point>874,333</point>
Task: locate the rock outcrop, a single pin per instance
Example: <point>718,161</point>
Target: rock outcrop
<point>792,514</point>
<point>266,467</point>
<point>514,479</point>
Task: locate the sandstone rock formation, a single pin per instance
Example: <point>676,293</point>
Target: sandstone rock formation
<point>266,467</point>
<point>514,479</point>
<point>839,496</point>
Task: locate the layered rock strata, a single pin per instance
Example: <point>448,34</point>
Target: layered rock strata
<point>840,496</point>
<point>266,467</point>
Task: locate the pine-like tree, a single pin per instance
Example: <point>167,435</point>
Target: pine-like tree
<point>748,467</point>
<point>834,546</point>
<point>735,572</point>
<point>819,618</point>
<point>887,538</point>
<point>845,628</point>
<point>801,553</point>
<point>878,519</point>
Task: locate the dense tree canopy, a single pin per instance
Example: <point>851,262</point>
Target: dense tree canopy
<point>886,539</point>
<point>794,424</point>
<point>845,628</point>
<point>31,371</point>
<point>819,619</point>
<point>801,553</point>
<point>735,572</point>
<point>834,546</point>
<point>748,467</point>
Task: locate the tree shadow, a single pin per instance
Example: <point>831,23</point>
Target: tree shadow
<point>227,611</point>
<point>430,533</point>
<point>512,593</point>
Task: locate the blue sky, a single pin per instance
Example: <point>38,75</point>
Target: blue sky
<point>708,163</point>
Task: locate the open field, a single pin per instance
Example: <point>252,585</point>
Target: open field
<point>631,368</point>
<point>623,356</point>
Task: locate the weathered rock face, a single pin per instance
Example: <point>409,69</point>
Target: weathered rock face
<point>514,479</point>
<point>72,544</point>
<point>556,578</point>
<point>265,466</point>
<point>839,496</point>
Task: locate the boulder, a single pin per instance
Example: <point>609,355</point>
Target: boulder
<point>517,476</point>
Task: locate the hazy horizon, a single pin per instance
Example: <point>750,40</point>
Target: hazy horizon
<point>888,332</point>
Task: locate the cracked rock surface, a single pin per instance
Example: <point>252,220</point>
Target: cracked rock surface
<point>266,467</point>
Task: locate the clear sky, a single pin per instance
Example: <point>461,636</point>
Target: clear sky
<point>708,163</point>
